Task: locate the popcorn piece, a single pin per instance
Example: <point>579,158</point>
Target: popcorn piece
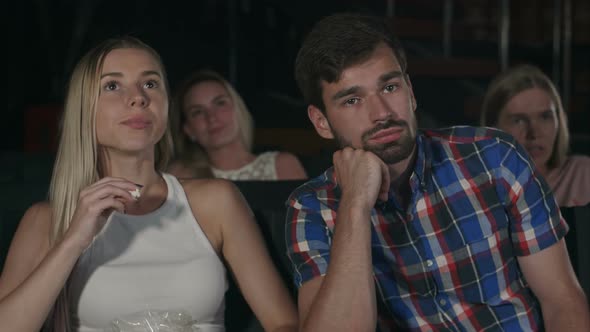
<point>135,193</point>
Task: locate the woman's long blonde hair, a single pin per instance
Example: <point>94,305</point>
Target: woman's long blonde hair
<point>191,153</point>
<point>514,81</point>
<point>77,163</point>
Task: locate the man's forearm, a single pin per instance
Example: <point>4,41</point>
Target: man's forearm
<point>346,299</point>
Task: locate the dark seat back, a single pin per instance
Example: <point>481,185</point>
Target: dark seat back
<point>24,180</point>
<point>578,245</point>
<point>267,201</point>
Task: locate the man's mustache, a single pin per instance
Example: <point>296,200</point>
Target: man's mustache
<point>384,125</point>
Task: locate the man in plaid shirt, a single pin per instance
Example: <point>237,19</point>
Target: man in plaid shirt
<point>421,230</point>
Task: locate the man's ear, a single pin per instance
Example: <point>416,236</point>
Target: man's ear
<point>320,122</point>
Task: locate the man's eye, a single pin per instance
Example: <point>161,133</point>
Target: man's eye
<point>351,101</point>
<point>151,84</point>
<point>390,87</point>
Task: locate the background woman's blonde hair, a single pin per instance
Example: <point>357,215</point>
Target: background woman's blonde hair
<point>77,163</point>
<point>191,153</point>
<point>514,81</point>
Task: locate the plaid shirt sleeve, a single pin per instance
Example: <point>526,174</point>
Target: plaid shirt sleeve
<point>536,221</point>
<point>308,238</point>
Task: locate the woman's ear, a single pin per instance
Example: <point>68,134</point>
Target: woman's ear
<point>188,132</point>
<point>320,122</point>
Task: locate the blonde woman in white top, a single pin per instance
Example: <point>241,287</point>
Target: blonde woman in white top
<point>212,126</point>
<point>115,136</point>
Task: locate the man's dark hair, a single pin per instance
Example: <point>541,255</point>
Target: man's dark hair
<point>337,42</point>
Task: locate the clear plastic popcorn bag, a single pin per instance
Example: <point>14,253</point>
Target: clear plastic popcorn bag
<point>154,321</point>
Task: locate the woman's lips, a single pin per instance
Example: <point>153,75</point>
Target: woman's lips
<point>535,151</point>
<point>215,131</point>
<point>137,123</point>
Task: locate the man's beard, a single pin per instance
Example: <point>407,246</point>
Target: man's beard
<point>391,152</point>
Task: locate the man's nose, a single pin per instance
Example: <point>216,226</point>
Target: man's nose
<point>534,129</point>
<point>210,116</point>
<point>379,108</point>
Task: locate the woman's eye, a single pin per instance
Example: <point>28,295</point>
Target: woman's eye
<point>519,121</point>
<point>195,113</point>
<point>111,86</point>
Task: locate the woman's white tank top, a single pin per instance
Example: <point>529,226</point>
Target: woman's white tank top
<point>157,262</point>
<point>262,168</point>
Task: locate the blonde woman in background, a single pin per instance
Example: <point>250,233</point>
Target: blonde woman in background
<point>524,102</point>
<point>95,253</point>
<point>211,124</point>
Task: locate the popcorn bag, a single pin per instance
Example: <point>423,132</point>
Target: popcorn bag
<point>154,321</point>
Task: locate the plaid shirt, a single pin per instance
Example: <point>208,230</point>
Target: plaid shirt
<point>449,261</point>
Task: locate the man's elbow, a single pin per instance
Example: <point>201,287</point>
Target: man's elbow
<point>567,313</point>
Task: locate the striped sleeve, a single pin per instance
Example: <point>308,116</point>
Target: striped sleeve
<point>535,219</point>
<point>308,239</point>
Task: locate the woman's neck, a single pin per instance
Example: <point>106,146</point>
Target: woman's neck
<point>230,157</point>
<point>139,169</point>
<point>543,170</point>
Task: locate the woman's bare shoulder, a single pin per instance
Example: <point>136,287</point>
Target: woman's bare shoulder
<point>289,167</point>
<point>28,247</point>
<point>211,190</point>
<point>217,204</point>
<point>183,171</point>
<point>31,239</point>
<point>579,159</point>
<point>577,165</point>
<point>38,214</point>
<point>35,224</point>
